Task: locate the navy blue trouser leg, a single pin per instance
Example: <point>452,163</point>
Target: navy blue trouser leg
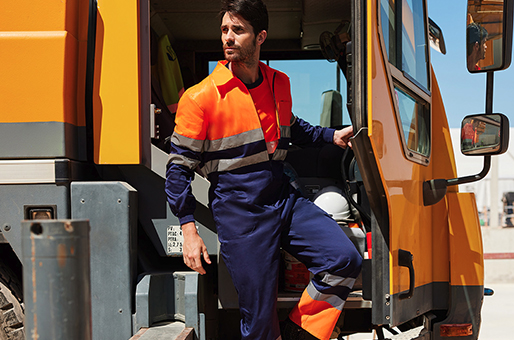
<point>310,235</point>
<point>318,241</point>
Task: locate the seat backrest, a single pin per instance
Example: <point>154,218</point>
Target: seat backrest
<point>331,109</point>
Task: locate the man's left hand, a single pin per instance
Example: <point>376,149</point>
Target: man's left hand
<point>342,137</point>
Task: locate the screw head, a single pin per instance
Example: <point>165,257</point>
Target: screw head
<point>7,227</point>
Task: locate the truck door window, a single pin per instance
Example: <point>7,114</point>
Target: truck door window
<point>414,47</point>
<point>389,28</point>
<point>408,52</point>
<point>403,29</point>
<point>414,121</point>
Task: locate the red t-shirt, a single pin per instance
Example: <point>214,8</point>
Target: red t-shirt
<point>265,106</point>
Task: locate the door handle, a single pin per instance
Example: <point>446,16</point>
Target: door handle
<point>405,260</point>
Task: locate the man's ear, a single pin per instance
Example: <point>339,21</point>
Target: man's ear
<point>261,37</point>
<point>476,47</point>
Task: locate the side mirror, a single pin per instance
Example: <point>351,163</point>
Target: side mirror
<point>489,35</point>
<point>435,37</point>
<point>481,135</point>
<point>484,134</point>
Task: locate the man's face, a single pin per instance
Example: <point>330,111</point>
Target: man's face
<point>482,50</point>
<point>239,41</point>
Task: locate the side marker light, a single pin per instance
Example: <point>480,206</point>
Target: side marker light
<point>459,329</point>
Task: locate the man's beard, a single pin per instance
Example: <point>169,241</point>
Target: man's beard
<point>240,54</point>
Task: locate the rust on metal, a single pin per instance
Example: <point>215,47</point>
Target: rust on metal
<point>186,334</point>
<point>68,227</point>
<point>61,255</point>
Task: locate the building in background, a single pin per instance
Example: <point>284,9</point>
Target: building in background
<point>496,191</point>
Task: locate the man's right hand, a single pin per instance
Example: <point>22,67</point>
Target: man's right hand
<point>194,248</point>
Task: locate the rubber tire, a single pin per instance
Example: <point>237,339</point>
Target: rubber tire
<point>12,313</point>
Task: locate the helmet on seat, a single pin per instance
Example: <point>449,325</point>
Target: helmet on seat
<point>332,200</point>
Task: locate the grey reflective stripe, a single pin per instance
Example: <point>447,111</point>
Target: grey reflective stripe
<point>235,163</point>
<point>190,143</point>
<point>234,141</point>
<point>334,280</point>
<point>293,120</point>
<point>279,155</point>
<point>285,131</point>
<point>183,160</point>
<point>334,300</point>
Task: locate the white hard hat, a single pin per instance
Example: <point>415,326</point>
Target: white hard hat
<point>332,200</point>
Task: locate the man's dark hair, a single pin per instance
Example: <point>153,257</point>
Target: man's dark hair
<point>253,11</point>
<point>475,34</point>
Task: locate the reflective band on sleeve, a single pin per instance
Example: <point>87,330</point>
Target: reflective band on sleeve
<point>190,143</point>
<point>285,131</point>
<point>279,155</point>
<point>183,160</point>
<point>234,141</point>
<point>334,300</point>
<point>235,163</point>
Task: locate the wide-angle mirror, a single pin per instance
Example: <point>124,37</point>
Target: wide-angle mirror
<point>488,37</point>
<point>484,134</point>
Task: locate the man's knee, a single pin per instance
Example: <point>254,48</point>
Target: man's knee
<point>350,264</point>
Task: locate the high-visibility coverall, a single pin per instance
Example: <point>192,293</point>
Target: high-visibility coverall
<point>255,209</point>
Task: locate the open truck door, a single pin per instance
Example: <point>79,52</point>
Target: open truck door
<point>427,256</point>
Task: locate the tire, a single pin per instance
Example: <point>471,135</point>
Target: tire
<point>11,306</point>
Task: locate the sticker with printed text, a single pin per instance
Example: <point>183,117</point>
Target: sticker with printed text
<point>175,239</point>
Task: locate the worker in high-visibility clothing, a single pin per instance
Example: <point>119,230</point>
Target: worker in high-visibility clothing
<point>235,128</point>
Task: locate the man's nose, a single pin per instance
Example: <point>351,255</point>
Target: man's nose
<point>229,36</point>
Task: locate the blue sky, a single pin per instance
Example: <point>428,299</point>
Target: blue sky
<point>464,93</point>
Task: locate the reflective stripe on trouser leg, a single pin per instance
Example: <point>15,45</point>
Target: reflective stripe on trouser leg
<point>316,239</point>
<point>317,312</point>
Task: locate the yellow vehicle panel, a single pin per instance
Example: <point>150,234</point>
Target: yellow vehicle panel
<point>466,250</point>
<point>43,78</point>
<point>116,97</point>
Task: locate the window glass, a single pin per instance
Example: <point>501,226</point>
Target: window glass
<point>415,122</point>
<point>414,48</point>
<point>309,79</point>
<point>387,16</point>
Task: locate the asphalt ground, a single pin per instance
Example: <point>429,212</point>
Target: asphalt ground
<point>497,315</point>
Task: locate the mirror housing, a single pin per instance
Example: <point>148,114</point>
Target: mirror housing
<point>435,37</point>
<point>489,35</point>
<point>484,134</point>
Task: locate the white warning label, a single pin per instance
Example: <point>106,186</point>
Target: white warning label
<point>174,240</point>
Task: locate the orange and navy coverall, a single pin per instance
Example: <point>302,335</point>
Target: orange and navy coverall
<point>256,210</point>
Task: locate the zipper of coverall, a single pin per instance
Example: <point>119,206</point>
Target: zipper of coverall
<point>276,112</point>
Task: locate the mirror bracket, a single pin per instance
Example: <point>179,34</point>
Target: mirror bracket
<point>435,189</point>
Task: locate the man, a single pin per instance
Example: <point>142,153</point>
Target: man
<point>236,126</point>
<point>475,47</point>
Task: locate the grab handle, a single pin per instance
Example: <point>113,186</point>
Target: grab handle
<point>405,260</point>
